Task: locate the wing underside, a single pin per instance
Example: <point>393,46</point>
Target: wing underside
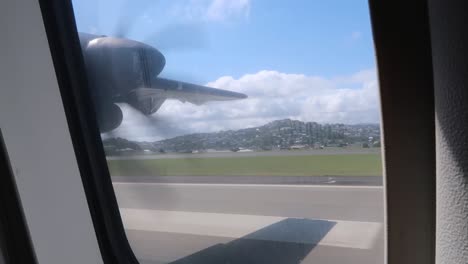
<point>149,100</point>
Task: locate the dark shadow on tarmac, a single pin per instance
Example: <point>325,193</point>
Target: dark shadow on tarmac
<point>286,242</point>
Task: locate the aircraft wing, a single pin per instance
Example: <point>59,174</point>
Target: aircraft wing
<point>148,100</point>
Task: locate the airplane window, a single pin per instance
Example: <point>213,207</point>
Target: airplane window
<point>239,131</point>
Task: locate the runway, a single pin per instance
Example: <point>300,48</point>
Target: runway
<point>225,154</point>
<point>241,179</point>
<point>252,223</point>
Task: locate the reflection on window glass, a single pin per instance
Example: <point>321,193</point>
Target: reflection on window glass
<point>239,131</point>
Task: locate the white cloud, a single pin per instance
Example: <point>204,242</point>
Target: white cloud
<point>355,35</point>
<point>93,30</point>
<point>221,9</point>
<point>352,38</point>
<point>211,10</point>
<point>272,95</point>
<point>358,78</point>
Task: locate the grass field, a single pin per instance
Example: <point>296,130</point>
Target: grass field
<point>313,165</point>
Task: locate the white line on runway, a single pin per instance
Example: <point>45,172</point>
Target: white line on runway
<point>250,185</point>
<point>337,233</point>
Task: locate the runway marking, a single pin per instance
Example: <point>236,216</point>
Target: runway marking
<point>250,185</point>
<point>336,233</point>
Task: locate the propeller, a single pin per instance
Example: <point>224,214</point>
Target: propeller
<point>185,36</point>
<point>129,16</point>
<point>170,37</point>
<point>179,37</point>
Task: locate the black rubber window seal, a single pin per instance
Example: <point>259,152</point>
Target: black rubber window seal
<point>62,35</point>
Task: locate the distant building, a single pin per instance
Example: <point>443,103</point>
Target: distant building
<point>299,147</point>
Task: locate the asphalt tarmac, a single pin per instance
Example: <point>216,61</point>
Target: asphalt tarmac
<point>252,223</point>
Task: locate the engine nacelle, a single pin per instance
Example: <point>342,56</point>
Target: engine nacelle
<point>109,117</point>
<point>117,66</point>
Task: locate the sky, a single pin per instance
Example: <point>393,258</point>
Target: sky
<point>307,60</point>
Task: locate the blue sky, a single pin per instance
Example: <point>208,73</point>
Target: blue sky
<point>329,43</point>
<point>312,37</point>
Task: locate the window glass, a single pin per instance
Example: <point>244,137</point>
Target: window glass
<point>239,131</point>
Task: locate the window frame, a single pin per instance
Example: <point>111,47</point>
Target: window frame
<point>402,42</point>
<point>15,241</point>
<point>69,66</point>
